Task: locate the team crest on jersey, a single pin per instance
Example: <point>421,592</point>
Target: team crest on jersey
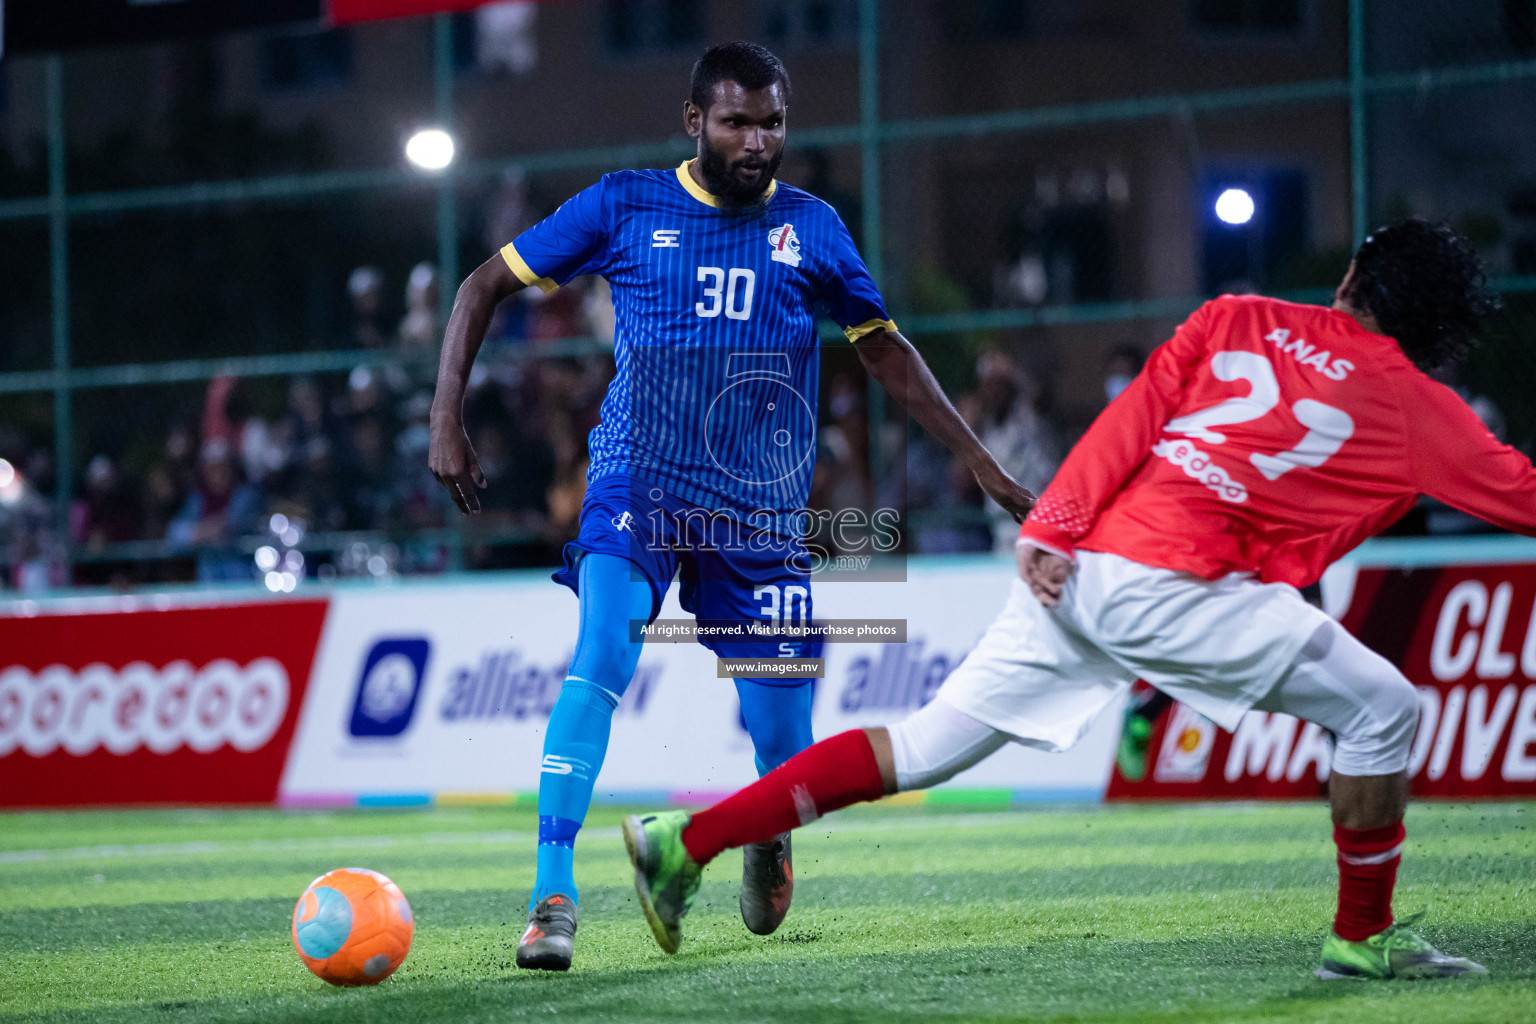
<point>785,246</point>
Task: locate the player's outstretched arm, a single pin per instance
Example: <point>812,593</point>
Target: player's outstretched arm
<point>891,359</point>
<point>451,456</point>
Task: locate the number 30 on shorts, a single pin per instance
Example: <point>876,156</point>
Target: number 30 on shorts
<point>1328,427</point>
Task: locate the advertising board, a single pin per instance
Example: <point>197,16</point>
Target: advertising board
<point>173,705</point>
<point>1464,635</point>
<point>433,690</point>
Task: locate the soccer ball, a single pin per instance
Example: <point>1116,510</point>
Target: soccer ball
<point>352,927</point>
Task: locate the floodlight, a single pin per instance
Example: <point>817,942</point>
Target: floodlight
<point>1234,206</point>
<point>431,149</point>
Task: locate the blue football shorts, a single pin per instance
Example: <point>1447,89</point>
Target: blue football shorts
<point>730,573</point>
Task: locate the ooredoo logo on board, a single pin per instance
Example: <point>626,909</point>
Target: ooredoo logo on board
<point>141,706</point>
<point>180,704</point>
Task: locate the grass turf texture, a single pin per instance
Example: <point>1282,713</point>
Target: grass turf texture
<point>1126,914</point>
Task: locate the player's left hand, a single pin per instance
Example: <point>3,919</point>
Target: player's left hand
<point>1005,490</point>
<point>1045,572</point>
<point>452,460</point>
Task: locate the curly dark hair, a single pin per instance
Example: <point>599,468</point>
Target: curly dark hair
<point>749,65</point>
<point>1426,287</point>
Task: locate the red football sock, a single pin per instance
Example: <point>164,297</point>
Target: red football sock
<point>1368,859</point>
<point>820,779</point>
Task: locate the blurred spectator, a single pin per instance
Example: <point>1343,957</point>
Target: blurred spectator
<point>314,491</point>
<point>365,287</point>
<point>943,497</point>
<point>229,417</point>
<point>31,546</point>
<point>159,500</point>
<point>368,485</point>
<point>1013,428</point>
<point>219,510</point>
<point>105,512</point>
<point>844,460</point>
<point>508,215</point>
<point>1120,368</point>
<point>179,457</point>
<point>557,316</point>
<point>420,329</point>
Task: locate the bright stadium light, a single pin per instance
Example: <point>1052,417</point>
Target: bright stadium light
<point>1234,206</point>
<point>431,149</point>
<point>266,558</point>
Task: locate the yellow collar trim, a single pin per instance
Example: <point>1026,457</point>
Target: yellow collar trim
<point>685,178</point>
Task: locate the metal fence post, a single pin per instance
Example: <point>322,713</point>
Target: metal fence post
<point>1357,168</point>
<point>447,209</point>
<point>869,158</point>
<point>58,274</point>
<point>447,197</point>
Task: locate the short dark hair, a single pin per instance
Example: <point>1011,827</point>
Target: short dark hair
<point>748,65</point>
<point>1426,287</point>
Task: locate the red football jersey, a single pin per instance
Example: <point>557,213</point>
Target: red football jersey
<point>1272,438</point>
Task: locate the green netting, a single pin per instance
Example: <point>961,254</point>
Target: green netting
<point>1032,183</point>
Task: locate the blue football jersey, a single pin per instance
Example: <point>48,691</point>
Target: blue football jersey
<point>714,398</point>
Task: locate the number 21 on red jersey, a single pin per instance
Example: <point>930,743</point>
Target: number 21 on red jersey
<point>1327,427</point>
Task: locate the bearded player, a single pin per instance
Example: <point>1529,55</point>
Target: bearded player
<point>704,455</point>
<point>1260,443</point>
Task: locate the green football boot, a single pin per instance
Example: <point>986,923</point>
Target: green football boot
<point>666,878</point>
<point>1131,754</point>
<point>1397,952</point>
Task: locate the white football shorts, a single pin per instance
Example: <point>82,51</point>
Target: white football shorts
<point>1043,674</point>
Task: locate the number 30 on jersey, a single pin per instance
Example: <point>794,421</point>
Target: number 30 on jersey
<point>728,292</point>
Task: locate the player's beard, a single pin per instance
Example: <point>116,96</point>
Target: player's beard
<point>720,178</point>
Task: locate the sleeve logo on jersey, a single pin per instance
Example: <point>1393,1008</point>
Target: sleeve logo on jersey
<point>663,238</point>
<point>784,245</point>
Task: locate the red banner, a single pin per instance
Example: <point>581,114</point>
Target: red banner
<point>187,705</point>
<point>344,12</point>
<point>1465,636</point>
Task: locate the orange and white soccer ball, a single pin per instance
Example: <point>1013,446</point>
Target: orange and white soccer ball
<point>352,927</point>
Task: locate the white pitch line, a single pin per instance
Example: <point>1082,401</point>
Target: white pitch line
<point>500,838</point>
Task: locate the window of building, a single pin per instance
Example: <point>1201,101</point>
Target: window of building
<point>985,21</point>
<point>791,24</point>
<point>498,38</point>
<point>1520,24</point>
<point>638,26</point>
<point>297,62</point>
<point>1248,15</point>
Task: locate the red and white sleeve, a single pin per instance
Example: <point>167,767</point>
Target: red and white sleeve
<point>1116,444</point>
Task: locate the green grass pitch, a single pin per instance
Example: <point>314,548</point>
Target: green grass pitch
<point>1163,913</point>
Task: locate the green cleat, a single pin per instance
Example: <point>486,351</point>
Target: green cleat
<point>666,878</point>
<point>1131,754</point>
<point>1397,952</point>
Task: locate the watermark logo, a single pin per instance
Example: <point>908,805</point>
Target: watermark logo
<point>759,429</point>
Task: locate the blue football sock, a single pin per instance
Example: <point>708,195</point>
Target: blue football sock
<point>778,718</point>
<point>577,737</point>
